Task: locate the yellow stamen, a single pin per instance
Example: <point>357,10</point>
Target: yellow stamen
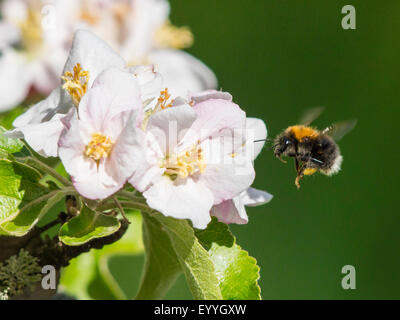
<point>99,147</point>
<point>163,102</point>
<point>76,84</point>
<point>163,99</point>
<point>185,164</point>
<point>171,36</point>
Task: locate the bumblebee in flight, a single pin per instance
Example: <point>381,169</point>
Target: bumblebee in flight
<point>312,150</point>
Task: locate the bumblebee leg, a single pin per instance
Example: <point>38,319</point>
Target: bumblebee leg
<point>300,173</point>
<point>297,165</point>
<point>297,181</point>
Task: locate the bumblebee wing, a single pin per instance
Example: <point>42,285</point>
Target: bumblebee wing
<point>310,115</point>
<point>338,130</point>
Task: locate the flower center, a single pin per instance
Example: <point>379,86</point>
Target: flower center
<point>31,31</point>
<point>185,164</point>
<point>76,83</point>
<point>99,147</point>
<point>171,36</point>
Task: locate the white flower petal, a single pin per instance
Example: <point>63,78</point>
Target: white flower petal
<point>114,91</point>
<point>93,54</point>
<point>126,155</point>
<point>41,137</point>
<point>150,82</point>
<point>210,94</point>
<point>170,125</point>
<point>253,197</point>
<point>42,111</point>
<point>185,200</point>
<point>256,130</point>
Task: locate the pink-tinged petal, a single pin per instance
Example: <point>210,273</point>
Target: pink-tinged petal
<point>253,197</point>
<point>227,212</point>
<point>181,200</point>
<point>41,137</point>
<point>145,175</point>
<point>15,79</point>
<point>148,170</point>
<point>233,211</point>
<point>170,125</point>
<point>256,130</point>
<point>226,175</point>
<point>114,92</point>
<point>218,118</point>
<point>210,94</point>
<point>72,145</point>
<point>100,185</point>
<point>126,155</point>
<point>226,180</point>
<point>120,89</point>
<point>182,73</point>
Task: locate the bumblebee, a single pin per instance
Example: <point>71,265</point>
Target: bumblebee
<point>312,150</point>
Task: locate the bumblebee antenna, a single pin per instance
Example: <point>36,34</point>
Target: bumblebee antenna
<point>262,140</point>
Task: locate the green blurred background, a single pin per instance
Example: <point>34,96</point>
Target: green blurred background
<point>279,58</point>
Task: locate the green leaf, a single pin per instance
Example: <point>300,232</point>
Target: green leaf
<point>92,267</point>
<point>162,266</point>
<point>9,145</point>
<point>237,272</point>
<point>88,225</point>
<point>216,232</point>
<point>23,201</point>
<point>31,214</point>
<point>195,261</point>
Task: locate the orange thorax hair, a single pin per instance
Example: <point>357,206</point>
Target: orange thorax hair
<point>301,132</point>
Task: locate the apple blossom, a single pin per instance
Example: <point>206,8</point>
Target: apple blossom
<point>193,159</point>
<point>89,57</point>
<point>99,144</point>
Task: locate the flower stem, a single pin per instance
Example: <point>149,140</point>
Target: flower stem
<point>127,205</point>
<point>121,209</point>
<point>129,195</point>
<point>47,169</point>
